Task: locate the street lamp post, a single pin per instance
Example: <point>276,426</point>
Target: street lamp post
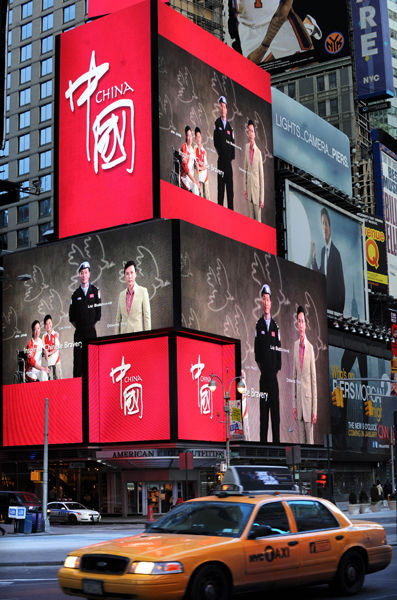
<point>241,387</point>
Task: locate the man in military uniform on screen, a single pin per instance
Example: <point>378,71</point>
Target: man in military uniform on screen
<point>84,313</point>
<point>268,359</point>
<point>224,145</point>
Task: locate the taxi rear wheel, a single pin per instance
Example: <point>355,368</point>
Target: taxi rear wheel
<point>349,578</point>
<point>209,583</point>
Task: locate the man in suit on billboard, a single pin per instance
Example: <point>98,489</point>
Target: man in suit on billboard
<point>330,266</point>
<point>268,359</point>
<point>254,189</point>
<point>84,313</point>
<point>133,309</point>
<point>224,145</point>
<point>305,383</point>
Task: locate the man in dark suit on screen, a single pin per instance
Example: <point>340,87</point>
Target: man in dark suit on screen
<point>331,266</point>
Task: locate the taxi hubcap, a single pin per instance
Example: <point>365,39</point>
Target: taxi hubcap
<point>351,574</point>
<point>210,591</point>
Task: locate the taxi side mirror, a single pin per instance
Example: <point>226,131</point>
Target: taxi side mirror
<point>259,531</point>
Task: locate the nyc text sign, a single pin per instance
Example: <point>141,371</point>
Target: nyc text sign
<point>372,49</point>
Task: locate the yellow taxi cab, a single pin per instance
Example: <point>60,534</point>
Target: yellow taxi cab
<point>208,548</point>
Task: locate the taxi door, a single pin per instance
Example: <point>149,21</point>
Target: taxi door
<point>320,536</point>
<point>274,556</point>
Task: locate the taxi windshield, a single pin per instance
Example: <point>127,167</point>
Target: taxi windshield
<point>225,519</point>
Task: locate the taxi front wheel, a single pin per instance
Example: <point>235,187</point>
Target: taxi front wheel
<point>350,575</point>
<point>209,583</point>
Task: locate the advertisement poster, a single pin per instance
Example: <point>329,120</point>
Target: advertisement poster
<point>305,32</point>
<point>307,141</point>
<point>189,93</point>
<point>362,401</point>
<point>385,171</point>
<point>329,241</point>
<point>221,293</point>
<point>51,285</point>
<point>376,254</point>
<point>105,124</point>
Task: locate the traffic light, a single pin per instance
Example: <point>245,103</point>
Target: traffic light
<point>321,479</point>
<point>337,398</point>
<point>368,408</point>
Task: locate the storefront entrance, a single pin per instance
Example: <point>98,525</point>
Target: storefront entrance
<point>162,495</point>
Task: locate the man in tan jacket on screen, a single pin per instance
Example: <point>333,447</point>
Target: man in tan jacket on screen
<point>133,310</point>
<point>254,190</point>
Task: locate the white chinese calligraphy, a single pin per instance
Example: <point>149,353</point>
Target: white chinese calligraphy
<point>113,128</point>
<point>204,394</point>
<point>131,396</point>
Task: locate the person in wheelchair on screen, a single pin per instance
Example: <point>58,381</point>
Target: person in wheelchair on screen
<point>35,370</point>
<point>188,155</point>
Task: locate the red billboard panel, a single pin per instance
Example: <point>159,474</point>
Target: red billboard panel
<point>129,391</point>
<point>200,411</point>
<point>24,408</point>
<point>105,123</point>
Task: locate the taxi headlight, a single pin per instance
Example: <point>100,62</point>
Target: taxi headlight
<point>72,562</point>
<point>155,568</point>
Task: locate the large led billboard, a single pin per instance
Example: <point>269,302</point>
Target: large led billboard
<point>221,285</point>
<point>362,401</point>
<point>216,170</point>
<point>326,239</point>
<point>129,397</point>
<point>200,411</point>
<point>385,171</point>
<point>280,35</point>
<point>105,123</point>
<point>307,141</point>
<point>52,287</point>
<point>24,408</point>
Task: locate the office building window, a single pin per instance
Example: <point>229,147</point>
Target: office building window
<point>45,207</point>
<point>47,44</point>
<point>27,10</point>
<point>69,13</point>
<point>26,31</point>
<point>8,81</point>
<point>23,166</point>
<point>25,74</point>
<point>320,83</point>
<point>45,159</point>
<point>46,183</point>
<point>45,136</point>
<point>46,89</point>
<point>46,67</point>
<point>22,238</point>
<point>333,106</point>
<point>6,149</point>
<point>4,217</point>
<point>45,112</point>
<point>322,108</point>
<point>7,103</point>
<point>10,38</point>
<point>3,241</point>
<point>26,52</point>
<point>24,142</point>
<point>24,97</point>
<point>292,89</point>
<point>8,59</point>
<point>24,119</point>
<point>23,213</point>
<point>48,4</point>
<point>43,228</point>
<point>332,81</point>
<point>7,125</point>
<point>10,16</point>
<point>47,22</point>
<point>4,171</point>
